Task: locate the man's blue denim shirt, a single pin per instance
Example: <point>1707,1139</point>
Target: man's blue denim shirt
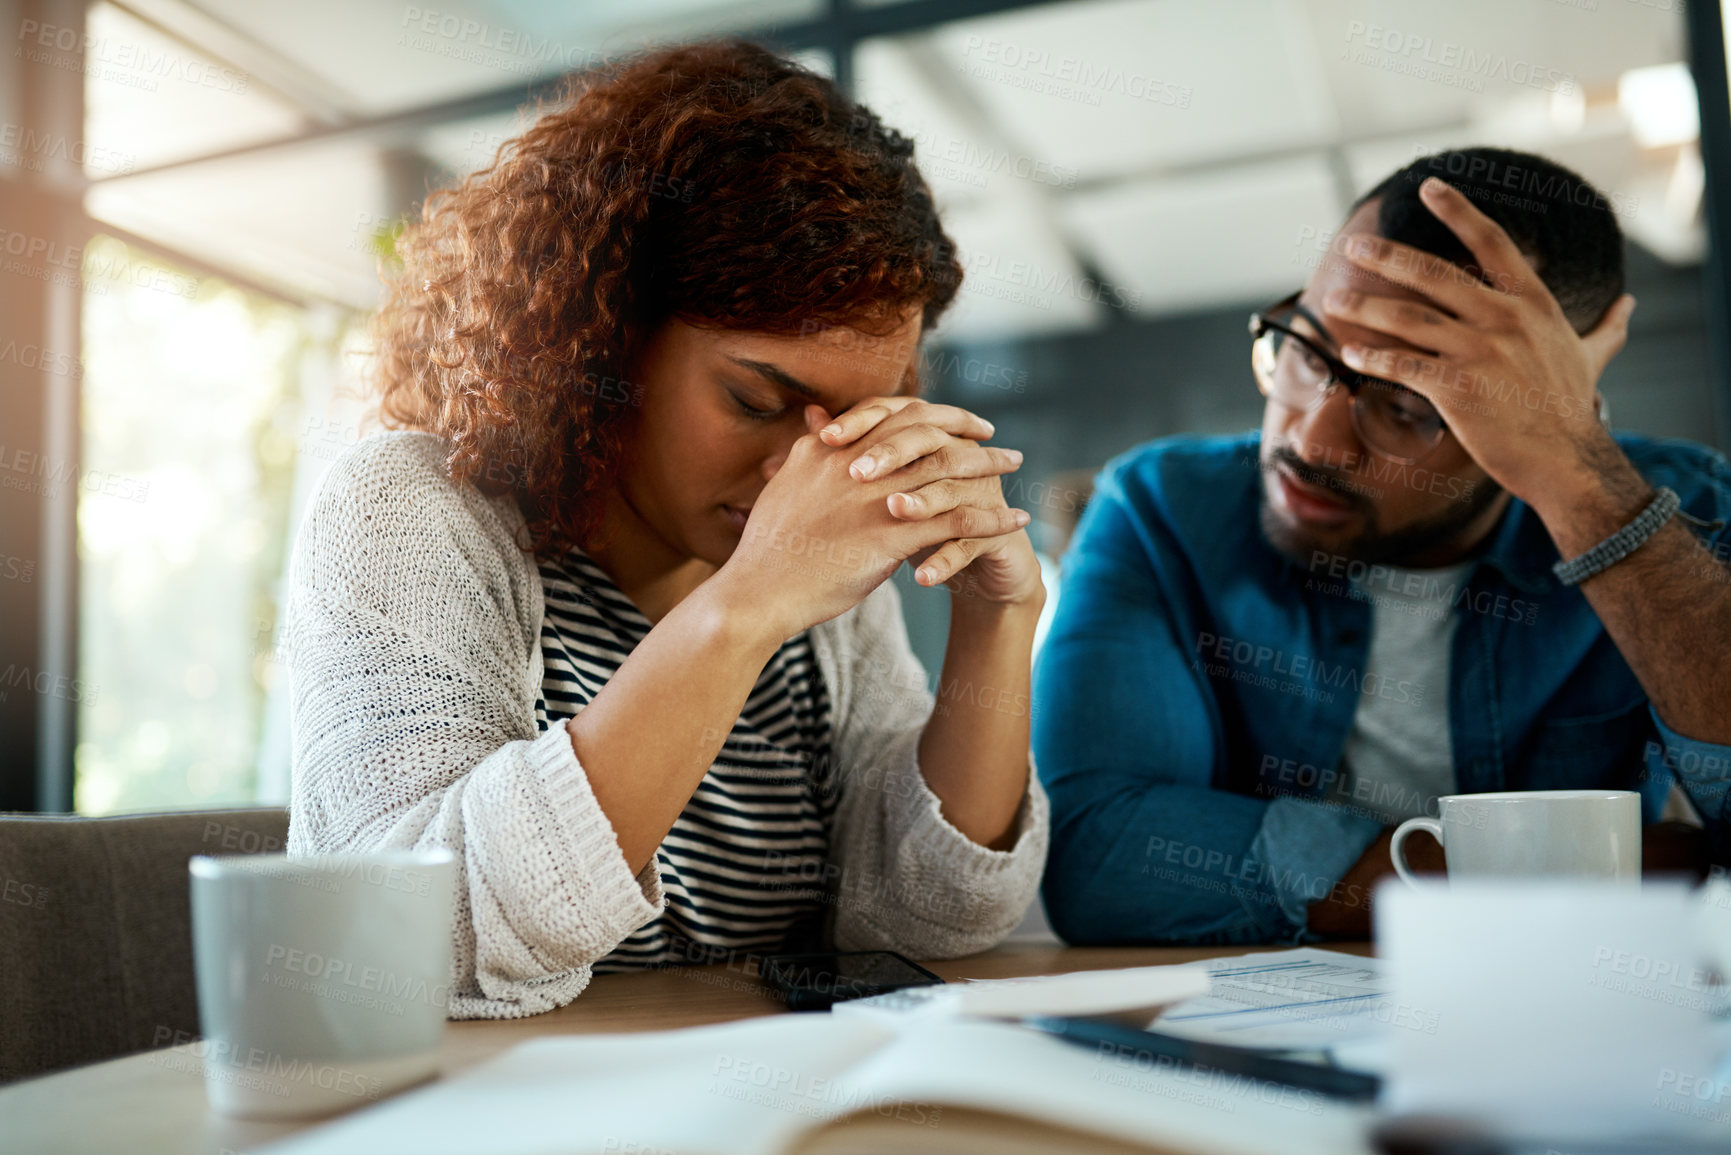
<point>1196,689</point>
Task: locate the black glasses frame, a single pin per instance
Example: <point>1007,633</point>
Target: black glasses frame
<point>1342,375</point>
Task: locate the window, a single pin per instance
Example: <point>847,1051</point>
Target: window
<point>192,427</point>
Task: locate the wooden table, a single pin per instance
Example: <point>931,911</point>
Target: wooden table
<point>153,1103</point>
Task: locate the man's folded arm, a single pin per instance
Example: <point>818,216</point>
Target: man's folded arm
<point>1147,844</point>
<point>1676,751</point>
<point>1703,769</point>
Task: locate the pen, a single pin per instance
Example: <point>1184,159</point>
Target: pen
<point>1438,1135</point>
<point>1129,1041</point>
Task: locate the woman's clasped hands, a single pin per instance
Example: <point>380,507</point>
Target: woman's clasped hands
<point>892,479</point>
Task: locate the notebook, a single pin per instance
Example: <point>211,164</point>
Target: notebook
<point>836,1085</point>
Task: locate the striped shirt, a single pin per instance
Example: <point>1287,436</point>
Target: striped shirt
<point>743,867</point>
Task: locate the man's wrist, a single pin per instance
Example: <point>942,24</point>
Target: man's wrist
<point>1591,499</point>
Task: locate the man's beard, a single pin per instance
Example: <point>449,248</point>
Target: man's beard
<point>1373,545</point>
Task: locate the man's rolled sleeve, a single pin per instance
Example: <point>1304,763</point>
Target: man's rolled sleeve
<point>1303,849</point>
<point>1704,770</point>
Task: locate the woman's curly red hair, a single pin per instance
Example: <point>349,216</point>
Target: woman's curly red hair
<point>717,183</point>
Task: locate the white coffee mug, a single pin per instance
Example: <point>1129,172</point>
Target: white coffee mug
<point>322,980</point>
<point>1522,833</point>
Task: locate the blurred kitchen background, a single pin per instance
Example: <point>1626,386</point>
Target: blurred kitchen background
<point>195,196</point>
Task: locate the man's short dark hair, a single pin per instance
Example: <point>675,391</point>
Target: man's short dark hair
<point>1564,225</point>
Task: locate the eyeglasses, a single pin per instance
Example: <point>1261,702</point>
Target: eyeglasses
<point>1391,420</point>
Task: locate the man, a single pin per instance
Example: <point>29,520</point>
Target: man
<point>1273,648</point>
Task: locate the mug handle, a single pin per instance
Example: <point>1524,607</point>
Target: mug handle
<point>1395,843</point>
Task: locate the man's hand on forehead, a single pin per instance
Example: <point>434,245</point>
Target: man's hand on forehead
<point>1493,352</point>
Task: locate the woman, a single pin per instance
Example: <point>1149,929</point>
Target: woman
<point>607,614</point>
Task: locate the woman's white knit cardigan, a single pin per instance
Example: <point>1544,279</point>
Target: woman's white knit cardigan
<point>413,639</point>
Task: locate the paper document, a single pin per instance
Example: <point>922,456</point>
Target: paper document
<point>1077,993</point>
<point>1563,1008</point>
<point>1293,1000</point>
